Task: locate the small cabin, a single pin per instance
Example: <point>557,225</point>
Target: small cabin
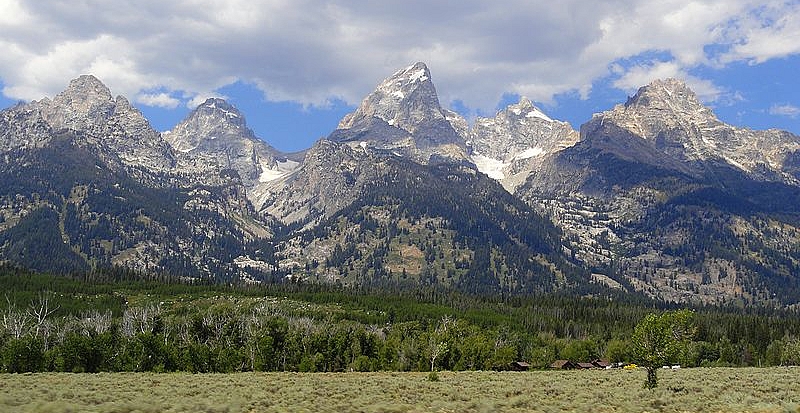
<point>563,365</point>
<point>519,366</point>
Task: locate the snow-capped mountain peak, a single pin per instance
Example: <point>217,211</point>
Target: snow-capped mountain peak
<point>527,109</point>
<point>511,145</point>
<point>213,120</point>
<point>406,80</point>
<point>215,137</point>
<point>669,116</point>
<point>403,115</point>
<point>218,106</point>
<point>404,100</point>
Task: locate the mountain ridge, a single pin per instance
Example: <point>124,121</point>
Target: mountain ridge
<point>655,195</point>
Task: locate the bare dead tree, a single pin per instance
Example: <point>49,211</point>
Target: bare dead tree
<point>304,324</point>
<point>435,348</point>
<point>215,321</point>
<point>46,330</point>
<point>140,320</point>
<point>95,322</point>
<point>40,309</point>
<point>183,329</point>
<point>445,324</point>
<point>16,323</point>
<point>69,324</point>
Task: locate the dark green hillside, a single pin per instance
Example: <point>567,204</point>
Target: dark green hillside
<point>437,225</point>
<point>679,230</point>
<point>68,211</point>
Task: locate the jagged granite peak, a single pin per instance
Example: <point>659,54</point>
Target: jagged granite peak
<point>405,100</point>
<point>214,137</point>
<point>213,124</point>
<point>84,103</point>
<point>635,198</point>
<point>111,127</point>
<point>668,94</point>
<point>662,190</point>
<point>403,115</point>
<point>510,145</point>
<point>669,115</point>
<point>86,88</point>
<point>106,167</point>
<point>220,109</point>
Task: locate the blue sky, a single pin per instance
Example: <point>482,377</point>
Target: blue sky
<point>295,68</point>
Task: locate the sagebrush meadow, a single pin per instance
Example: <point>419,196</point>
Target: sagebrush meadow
<point>685,390</point>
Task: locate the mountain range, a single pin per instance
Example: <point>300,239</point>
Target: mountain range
<point>655,196</point>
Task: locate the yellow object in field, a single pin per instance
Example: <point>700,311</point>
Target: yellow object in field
<point>631,367</point>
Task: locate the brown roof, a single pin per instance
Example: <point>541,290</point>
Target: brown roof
<point>562,364</point>
<point>586,365</point>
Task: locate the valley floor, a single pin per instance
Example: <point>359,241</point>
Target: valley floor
<point>693,390</point>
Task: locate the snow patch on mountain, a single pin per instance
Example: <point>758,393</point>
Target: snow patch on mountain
<point>511,145</point>
<point>280,169</point>
<point>529,153</point>
<point>493,168</point>
<point>418,76</point>
<point>536,113</point>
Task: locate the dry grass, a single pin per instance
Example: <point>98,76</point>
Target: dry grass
<point>687,390</point>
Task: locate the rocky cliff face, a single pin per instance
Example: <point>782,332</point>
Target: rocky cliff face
<point>88,171</point>
<point>403,116</point>
<point>669,116</point>
<point>511,145</point>
<point>215,137</point>
<point>656,195</point>
<point>330,178</point>
<point>662,193</point>
<point>111,125</point>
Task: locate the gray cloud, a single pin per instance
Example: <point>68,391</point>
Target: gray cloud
<point>311,52</point>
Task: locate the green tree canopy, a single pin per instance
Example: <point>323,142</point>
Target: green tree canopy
<point>661,339</point>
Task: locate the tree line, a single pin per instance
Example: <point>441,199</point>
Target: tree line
<point>140,325</point>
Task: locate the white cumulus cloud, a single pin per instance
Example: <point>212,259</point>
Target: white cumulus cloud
<point>768,32</point>
<point>313,52</point>
<point>162,100</point>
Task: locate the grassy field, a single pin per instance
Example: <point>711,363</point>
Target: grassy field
<point>686,390</point>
